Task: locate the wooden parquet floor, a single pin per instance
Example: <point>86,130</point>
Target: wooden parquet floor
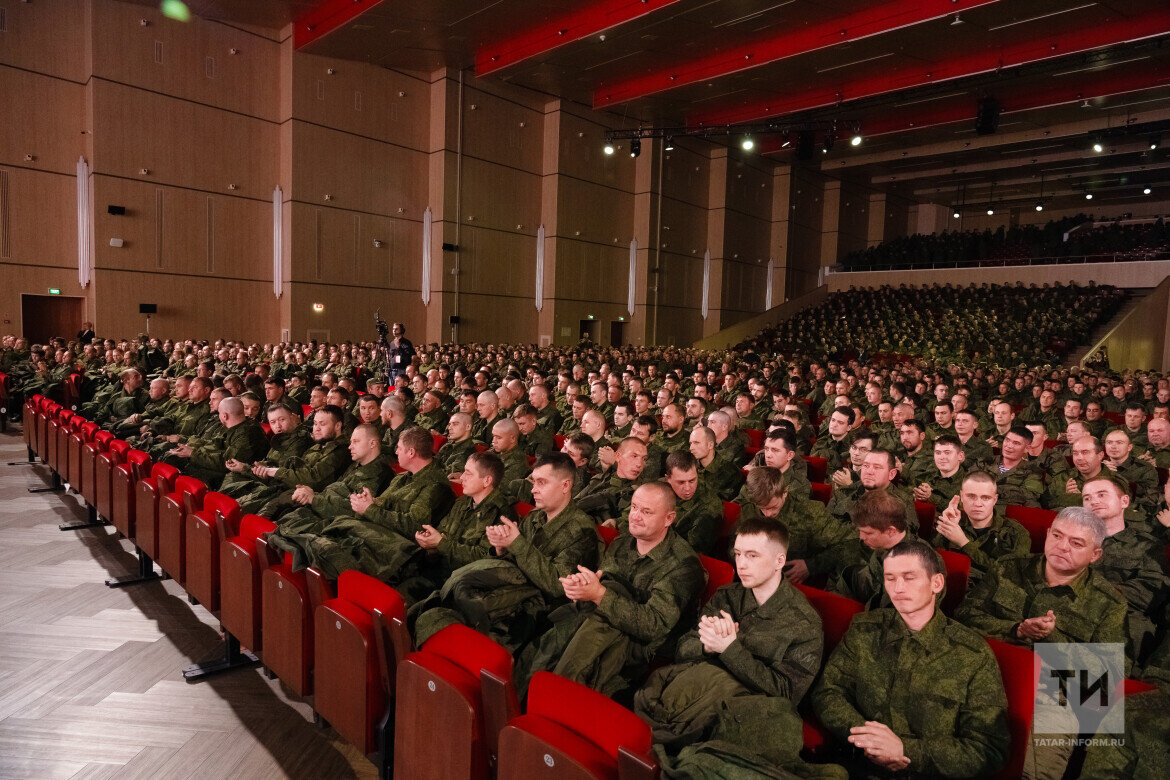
<point>90,676</point>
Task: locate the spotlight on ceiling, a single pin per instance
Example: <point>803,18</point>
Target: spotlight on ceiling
<point>956,214</point>
<point>827,145</point>
<point>1088,196</point>
<point>635,147</point>
<point>669,146</point>
<point>1146,191</point>
<point>956,21</point>
<point>608,148</point>
<point>990,212</point>
<point>747,143</point>
<point>1155,141</point>
<point>1098,147</point>
<point>1039,206</point>
<point>855,140</point>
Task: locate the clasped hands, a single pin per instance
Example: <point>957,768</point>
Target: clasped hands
<point>585,585</point>
<point>717,632</point>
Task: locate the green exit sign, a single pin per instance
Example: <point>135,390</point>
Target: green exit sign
<point>54,291</point>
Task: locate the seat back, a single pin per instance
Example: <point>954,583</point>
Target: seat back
<point>958,573</point>
<point>191,492</point>
<point>1020,670</point>
<point>218,502</point>
<point>587,713</point>
<point>926,516</point>
<point>719,573</point>
<point>167,474</point>
<point>471,651</point>
<point>818,468</point>
<point>607,534</point>
<point>755,437</point>
<point>370,594</point>
<point>120,449</point>
<point>523,509</point>
<point>438,440</point>
<point>821,492</point>
<point>89,431</point>
<point>1035,521</point>
<point>836,613</point>
<point>139,463</point>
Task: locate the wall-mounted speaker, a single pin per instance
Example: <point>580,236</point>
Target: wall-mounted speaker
<point>117,211</point>
<point>148,308</point>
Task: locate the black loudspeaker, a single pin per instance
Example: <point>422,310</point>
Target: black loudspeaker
<point>454,319</point>
<point>449,247</point>
<point>117,211</point>
<point>987,116</point>
<point>804,145</point>
<point>148,308</point>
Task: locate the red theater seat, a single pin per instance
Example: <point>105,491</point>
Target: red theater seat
<point>1020,672</point>
<point>1035,521</point>
<point>205,529</point>
<point>958,576</point>
<point>818,468</point>
<point>122,481</point>
<point>89,455</point>
<point>821,492</point>
<point>755,437</point>
<point>103,472</point>
<point>459,684</point>
<point>719,573</point>
<point>731,512</point>
<point>77,440</point>
<point>607,534</point>
<point>926,516</point>
<point>288,600</point>
<point>348,687</point>
<point>523,509</point>
<point>173,509</point>
<point>239,581</point>
<point>147,495</point>
<point>571,732</point>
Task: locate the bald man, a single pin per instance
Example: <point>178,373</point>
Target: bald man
<point>505,443</point>
<point>646,589</point>
<point>243,440</point>
<point>487,407</point>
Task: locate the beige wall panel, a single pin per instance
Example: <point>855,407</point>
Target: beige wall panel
<point>41,116</point>
<point>679,326</point>
<point>853,227</point>
<point>493,131</point>
<point>183,144</point>
<point>682,283</point>
<point>324,247</point>
<point>746,236</point>
<point>188,307</point>
<point>684,228</point>
<point>349,311</point>
<point>493,262</point>
<point>499,197</point>
<point>743,290</point>
<point>600,212</point>
<point>359,173</point>
<point>749,188</point>
<point>685,176</point>
<point>580,154</point>
<point>362,99</point>
<point>591,272</point>
<point>804,234</point>
<point>29,201</point>
<point>182,231</point>
<point>491,318</point>
<point>196,60</point>
<point>48,36</point>
<point>18,279</point>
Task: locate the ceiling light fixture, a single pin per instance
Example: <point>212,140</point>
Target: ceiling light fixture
<point>608,149</point>
<point>747,143</point>
<point>635,147</point>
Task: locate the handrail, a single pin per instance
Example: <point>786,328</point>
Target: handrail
<point>1132,256</point>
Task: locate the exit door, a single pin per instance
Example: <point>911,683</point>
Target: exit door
<point>46,316</point>
<point>617,334</point>
<point>588,330</point>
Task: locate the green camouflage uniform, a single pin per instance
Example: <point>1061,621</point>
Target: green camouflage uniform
<point>776,652</point>
<point>507,597</point>
<point>723,477</point>
<point>1002,538</point>
<point>841,504</point>
<point>1132,560</point>
<point>862,574</point>
<point>648,597</point>
<point>281,449</point>
<point>318,467</point>
<point>452,456</point>
<point>244,442</point>
<point>939,689</point>
<point>607,496</point>
<point>1019,486</point>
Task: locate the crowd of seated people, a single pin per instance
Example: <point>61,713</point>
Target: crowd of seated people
<point>1133,241</point>
<point>833,469</point>
<point>998,324</point>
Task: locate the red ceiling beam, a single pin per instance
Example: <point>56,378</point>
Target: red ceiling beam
<point>583,21</point>
<point>876,20</point>
<point>1118,80</point>
<point>1118,31</point>
<point>326,17</point>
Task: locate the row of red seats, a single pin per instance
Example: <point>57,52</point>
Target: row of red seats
<point>459,681</point>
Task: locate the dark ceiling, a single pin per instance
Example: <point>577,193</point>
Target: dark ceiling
<point>908,73</point>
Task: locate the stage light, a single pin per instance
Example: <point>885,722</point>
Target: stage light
<point>1098,147</point>
<point>827,145</point>
<point>1155,141</point>
<point>608,148</point>
<point>1146,191</point>
<point>175,9</point>
<point>1039,206</point>
<point>747,143</point>
<point>1088,196</point>
<point>990,212</point>
<point>635,147</point>
<point>855,140</point>
<point>956,214</point>
<point>669,143</point>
